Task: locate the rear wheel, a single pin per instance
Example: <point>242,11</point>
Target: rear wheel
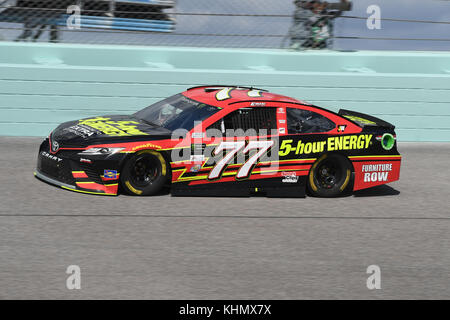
<point>144,174</point>
<point>330,176</point>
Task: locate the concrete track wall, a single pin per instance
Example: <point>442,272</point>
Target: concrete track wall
<point>42,85</point>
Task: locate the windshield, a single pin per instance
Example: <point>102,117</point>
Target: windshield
<point>176,112</point>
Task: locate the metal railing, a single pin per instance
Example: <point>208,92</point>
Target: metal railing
<point>200,23</point>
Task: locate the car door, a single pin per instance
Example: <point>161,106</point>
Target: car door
<point>230,151</point>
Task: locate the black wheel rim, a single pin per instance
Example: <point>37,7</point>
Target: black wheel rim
<point>145,170</point>
<point>328,175</point>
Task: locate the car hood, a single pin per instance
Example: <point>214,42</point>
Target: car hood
<point>106,129</point>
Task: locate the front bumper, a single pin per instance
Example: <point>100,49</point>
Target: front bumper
<point>64,169</point>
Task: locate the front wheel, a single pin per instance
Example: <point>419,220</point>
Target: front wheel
<point>329,176</point>
<point>144,174</point>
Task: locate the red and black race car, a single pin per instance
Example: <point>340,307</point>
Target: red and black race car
<point>222,141</point>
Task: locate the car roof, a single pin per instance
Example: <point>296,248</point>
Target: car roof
<point>223,96</point>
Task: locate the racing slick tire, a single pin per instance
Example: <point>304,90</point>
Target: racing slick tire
<point>330,176</point>
<point>144,174</point>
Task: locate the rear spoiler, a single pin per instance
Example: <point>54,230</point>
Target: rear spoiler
<point>364,120</point>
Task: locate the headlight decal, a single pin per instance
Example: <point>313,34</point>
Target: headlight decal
<point>100,151</point>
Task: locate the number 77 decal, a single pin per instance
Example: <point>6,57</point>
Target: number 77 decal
<point>235,147</point>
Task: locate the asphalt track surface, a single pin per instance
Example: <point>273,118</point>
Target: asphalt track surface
<point>166,247</point>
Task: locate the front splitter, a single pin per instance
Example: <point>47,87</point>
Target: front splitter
<point>63,185</point>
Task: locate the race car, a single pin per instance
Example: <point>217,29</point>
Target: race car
<point>222,141</point>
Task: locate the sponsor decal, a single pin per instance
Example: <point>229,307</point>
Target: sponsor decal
<point>371,173</point>
<point>359,119</point>
<point>280,110</point>
<point>85,160</point>
<point>289,177</point>
<point>282,121</point>
<point>197,157</point>
<point>341,127</point>
<point>195,168</point>
<point>82,130</point>
<point>113,128</point>
<point>110,174</point>
<point>257,104</point>
<point>282,130</point>
<point>198,148</point>
<point>376,172</point>
<point>146,146</point>
<point>50,156</point>
<point>196,135</point>
<point>350,142</point>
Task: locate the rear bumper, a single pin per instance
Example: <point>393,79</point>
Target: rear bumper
<point>371,171</point>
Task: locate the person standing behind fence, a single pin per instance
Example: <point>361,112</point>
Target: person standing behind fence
<point>313,23</point>
<point>111,9</point>
<point>322,24</point>
<point>299,32</point>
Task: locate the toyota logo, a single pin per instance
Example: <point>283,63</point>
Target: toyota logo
<point>55,146</point>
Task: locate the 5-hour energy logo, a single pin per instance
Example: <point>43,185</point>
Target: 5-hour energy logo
<point>351,142</point>
<point>113,128</point>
